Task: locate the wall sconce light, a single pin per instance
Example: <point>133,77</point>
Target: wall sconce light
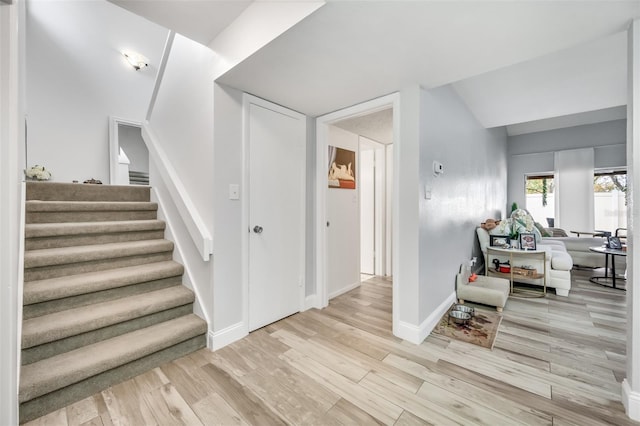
<point>137,60</point>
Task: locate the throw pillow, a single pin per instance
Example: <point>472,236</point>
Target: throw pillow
<point>543,232</point>
<point>503,228</point>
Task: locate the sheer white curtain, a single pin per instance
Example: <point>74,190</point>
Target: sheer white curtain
<point>574,190</point>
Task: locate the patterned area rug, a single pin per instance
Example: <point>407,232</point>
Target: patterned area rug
<point>481,330</point>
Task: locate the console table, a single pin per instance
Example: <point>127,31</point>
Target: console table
<point>604,280</point>
<point>521,257</point>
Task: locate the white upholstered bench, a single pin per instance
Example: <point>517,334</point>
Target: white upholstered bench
<point>492,291</point>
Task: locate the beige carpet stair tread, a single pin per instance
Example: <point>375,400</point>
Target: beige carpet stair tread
<point>74,191</point>
<point>76,254</point>
<point>103,298</point>
<point>62,370</point>
<point>39,230</point>
<point>74,285</point>
<point>58,325</point>
<point>80,206</point>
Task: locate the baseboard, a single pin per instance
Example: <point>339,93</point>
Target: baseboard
<point>226,336</point>
<point>344,290</point>
<point>631,401</point>
<point>310,302</point>
<point>417,333</point>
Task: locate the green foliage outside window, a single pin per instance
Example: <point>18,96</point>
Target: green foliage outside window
<point>611,182</point>
<point>540,185</point>
<point>608,183</point>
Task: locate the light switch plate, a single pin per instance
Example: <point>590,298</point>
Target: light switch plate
<point>234,191</point>
<point>427,192</point>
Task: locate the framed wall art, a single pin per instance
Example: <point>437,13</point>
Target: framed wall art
<point>342,168</point>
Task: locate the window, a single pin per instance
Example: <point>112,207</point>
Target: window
<point>540,198</point>
<point>609,192</point>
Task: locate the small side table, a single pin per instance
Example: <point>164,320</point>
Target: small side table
<point>606,279</point>
<point>520,255</point>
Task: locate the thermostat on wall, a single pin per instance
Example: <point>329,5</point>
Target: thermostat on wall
<point>438,168</point>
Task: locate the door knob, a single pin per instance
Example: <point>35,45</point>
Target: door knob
<point>257,229</point>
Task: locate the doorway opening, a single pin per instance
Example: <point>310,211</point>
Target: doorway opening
<point>128,153</point>
<point>355,227</point>
<point>374,133</point>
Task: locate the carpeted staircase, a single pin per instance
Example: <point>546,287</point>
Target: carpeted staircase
<point>138,178</point>
<point>103,299</point>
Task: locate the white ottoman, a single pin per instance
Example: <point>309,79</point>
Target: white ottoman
<point>492,291</point>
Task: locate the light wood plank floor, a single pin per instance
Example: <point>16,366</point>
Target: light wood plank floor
<point>556,361</point>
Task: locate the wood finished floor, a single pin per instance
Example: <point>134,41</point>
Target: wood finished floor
<point>556,361</point>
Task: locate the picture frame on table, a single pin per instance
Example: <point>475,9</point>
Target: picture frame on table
<point>527,241</point>
<point>499,241</point>
<point>614,243</point>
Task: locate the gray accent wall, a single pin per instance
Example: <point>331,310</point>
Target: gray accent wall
<point>471,189</point>
<point>534,152</point>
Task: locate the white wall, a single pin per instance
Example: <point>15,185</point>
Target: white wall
<point>198,273</point>
<point>343,235</point>
<point>631,384</point>
<point>11,161</point>
<point>534,152</point>
<point>471,189</point>
<point>310,238</point>
<point>182,120</point>
<point>182,123</point>
<point>406,220</point>
<point>77,78</point>
<point>228,233</point>
<point>130,139</point>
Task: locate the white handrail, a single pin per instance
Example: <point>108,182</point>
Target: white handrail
<point>192,220</point>
<point>188,212</point>
<point>161,68</point>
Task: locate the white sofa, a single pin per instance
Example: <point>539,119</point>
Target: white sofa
<point>559,262</point>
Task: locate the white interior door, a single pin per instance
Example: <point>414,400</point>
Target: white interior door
<point>342,216</point>
<point>276,145</point>
<point>367,211</point>
<point>388,209</point>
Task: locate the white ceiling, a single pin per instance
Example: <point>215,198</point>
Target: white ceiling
<point>377,126</point>
<point>511,61</point>
<point>587,77</point>
<point>349,52</point>
<point>590,117</point>
<point>199,20</point>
